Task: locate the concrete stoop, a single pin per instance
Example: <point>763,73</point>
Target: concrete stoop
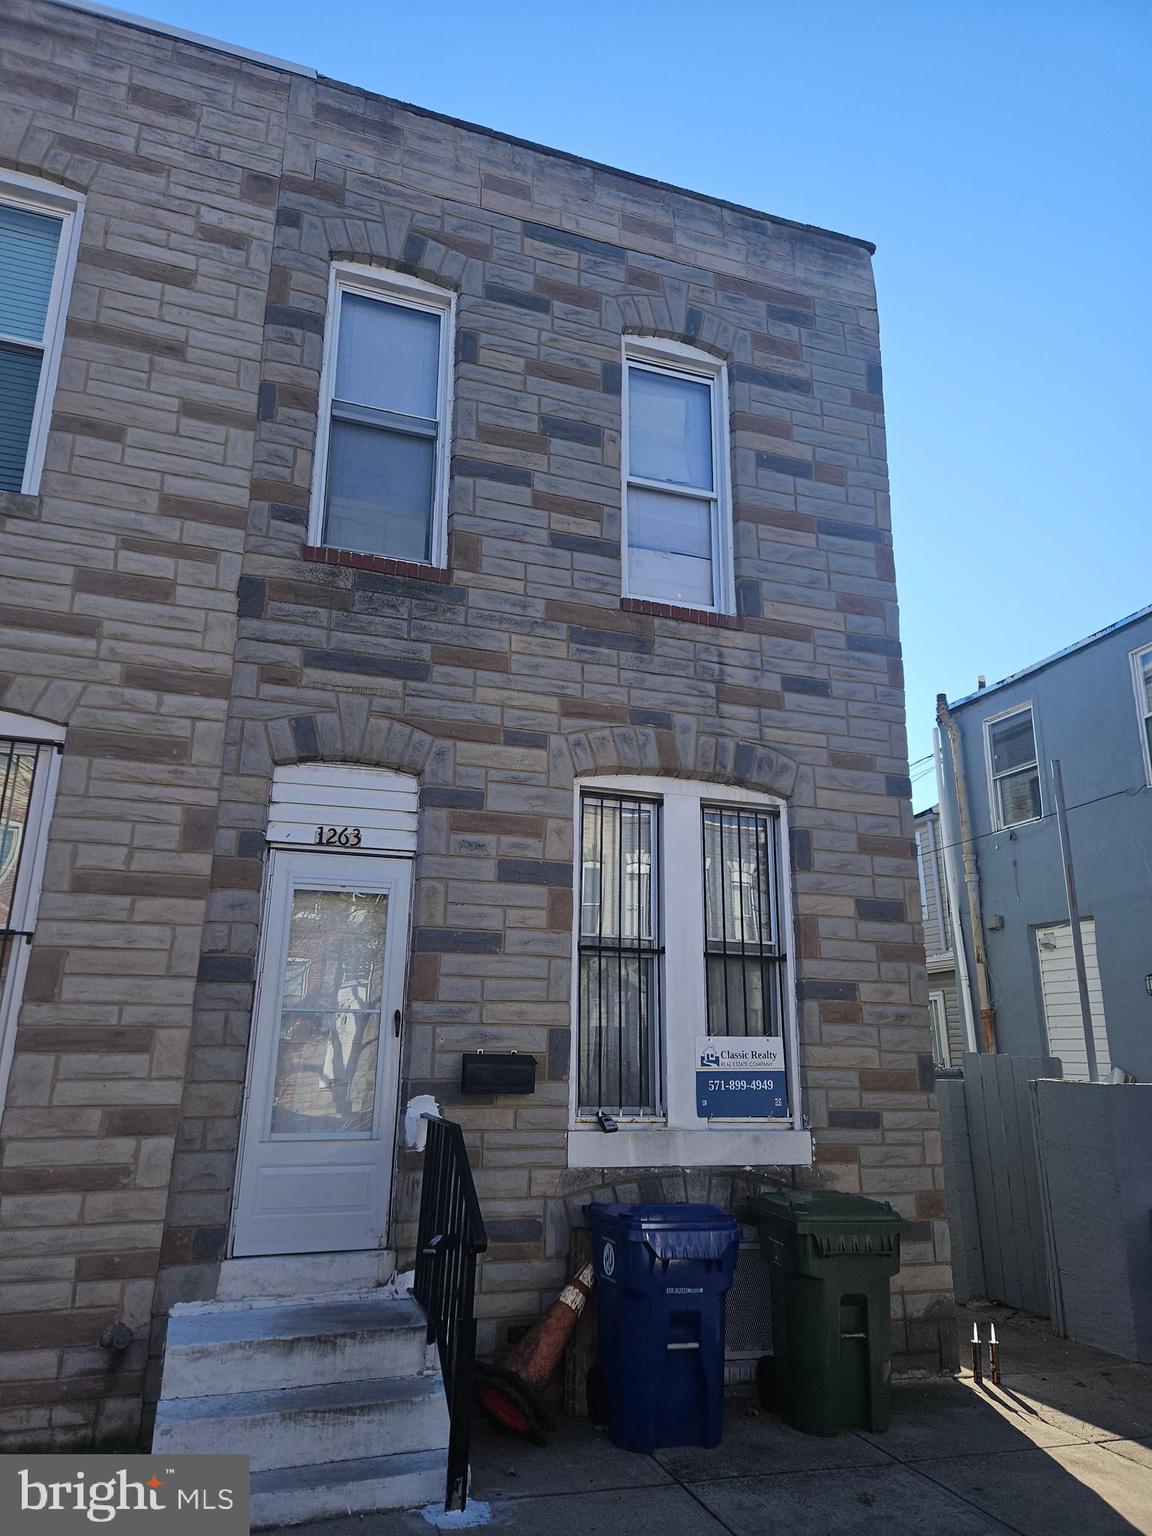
<point>338,1402</point>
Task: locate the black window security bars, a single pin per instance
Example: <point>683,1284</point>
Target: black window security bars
<point>22,762</point>
<point>743,948</point>
<point>451,1238</point>
<point>620,949</point>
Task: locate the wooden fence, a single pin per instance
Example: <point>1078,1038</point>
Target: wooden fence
<point>992,1180</point>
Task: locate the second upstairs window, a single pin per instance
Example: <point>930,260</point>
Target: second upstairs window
<point>39,228</point>
<point>1014,769</point>
<point>677,503</point>
<point>381,481</point>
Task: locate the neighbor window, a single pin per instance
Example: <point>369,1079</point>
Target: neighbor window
<point>938,1024</point>
<point>681,939</point>
<point>678,517</point>
<point>1142,676</point>
<point>38,230</point>
<point>381,481</point>
<point>1014,769</point>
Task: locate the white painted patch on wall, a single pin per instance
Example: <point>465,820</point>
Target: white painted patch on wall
<point>415,1130</point>
<point>479,1512</point>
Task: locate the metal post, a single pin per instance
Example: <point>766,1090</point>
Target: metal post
<point>1074,917</point>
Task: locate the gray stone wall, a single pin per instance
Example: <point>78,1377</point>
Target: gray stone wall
<point>498,685</point>
<point>118,609</point>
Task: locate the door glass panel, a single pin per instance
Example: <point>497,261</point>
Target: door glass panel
<point>329,1037</point>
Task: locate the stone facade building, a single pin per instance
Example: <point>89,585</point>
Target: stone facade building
<point>427,522</point>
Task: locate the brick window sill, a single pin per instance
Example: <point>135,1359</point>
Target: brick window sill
<point>16,504</point>
<point>674,611</point>
<point>413,570</point>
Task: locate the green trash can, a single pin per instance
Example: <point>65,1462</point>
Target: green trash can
<point>830,1258</point>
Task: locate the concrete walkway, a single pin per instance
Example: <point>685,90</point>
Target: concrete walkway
<point>1065,1445</point>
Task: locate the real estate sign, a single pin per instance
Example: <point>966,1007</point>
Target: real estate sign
<point>740,1076</point>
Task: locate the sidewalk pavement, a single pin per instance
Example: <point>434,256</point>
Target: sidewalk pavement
<point>1064,1445</point>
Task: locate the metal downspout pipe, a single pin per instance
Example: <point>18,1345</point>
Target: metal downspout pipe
<point>952,894</point>
<point>971,876</point>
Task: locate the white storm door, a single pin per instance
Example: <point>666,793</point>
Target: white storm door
<point>320,1119</point>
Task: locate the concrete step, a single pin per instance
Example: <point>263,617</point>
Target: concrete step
<point>307,1426</point>
<point>292,1495</point>
<point>211,1349</point>
<point>304,1274</point>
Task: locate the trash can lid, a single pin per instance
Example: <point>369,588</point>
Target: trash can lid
<point>637,1219</point>
<point>672,1231</point>
<point>804,1209</point>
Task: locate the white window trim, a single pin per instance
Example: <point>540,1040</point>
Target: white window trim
<point>993,798</point>
<point>945,1048</point>
<point>37,196</point>
<point>679,359</point>
<point>679,1137</point>
<point>397,288</point>
<point>1137,658</point>
<point>26,896</point>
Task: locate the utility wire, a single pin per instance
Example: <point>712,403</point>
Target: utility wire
<point>1047,816</point>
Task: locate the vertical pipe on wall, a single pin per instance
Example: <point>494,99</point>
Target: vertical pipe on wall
<point>1074,919</point>
<point>951,893</point>
<point>971,877</point>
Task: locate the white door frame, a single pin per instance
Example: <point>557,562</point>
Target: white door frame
<point>294,869</point>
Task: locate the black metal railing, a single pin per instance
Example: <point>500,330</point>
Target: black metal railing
<point>452,1236</point>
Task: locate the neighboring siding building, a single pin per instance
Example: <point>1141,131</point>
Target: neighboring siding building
<point>1090,707</point>
<point>448,604</point>
<point>948,1015</point>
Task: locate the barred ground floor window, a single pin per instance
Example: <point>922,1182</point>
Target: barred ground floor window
<point>29,751</point>
<point>683,1007</point>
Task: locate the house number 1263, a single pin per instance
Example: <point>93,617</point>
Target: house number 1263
<point>338,837</point>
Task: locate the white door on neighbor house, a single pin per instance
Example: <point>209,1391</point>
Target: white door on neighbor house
<point>319,1122</point>
<point>1061,994</point>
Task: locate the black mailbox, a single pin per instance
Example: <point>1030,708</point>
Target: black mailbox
<point>497,1072</point>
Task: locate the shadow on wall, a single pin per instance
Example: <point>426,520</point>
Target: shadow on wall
<point>1059,1447</point>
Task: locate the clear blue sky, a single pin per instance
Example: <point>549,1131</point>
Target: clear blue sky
<point>998,153</point>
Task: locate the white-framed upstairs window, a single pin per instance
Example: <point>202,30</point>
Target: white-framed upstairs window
<point>1142,681</point>
<point>39,232</point>
<point>1013,768</point>
<point>29,767</point>
<point>682,942</point>
<point>677,499</point>
<point>383,439</point>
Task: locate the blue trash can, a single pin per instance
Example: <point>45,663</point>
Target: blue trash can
<point>662,1274</point>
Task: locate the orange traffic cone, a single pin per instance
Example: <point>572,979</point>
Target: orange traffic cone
<point>510,1392</point>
